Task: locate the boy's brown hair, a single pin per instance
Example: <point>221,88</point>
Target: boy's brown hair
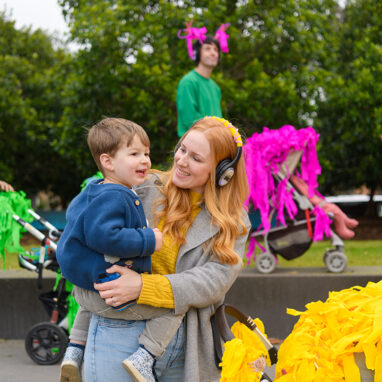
<point>108,135</point>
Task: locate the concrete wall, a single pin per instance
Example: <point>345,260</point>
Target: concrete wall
<point>263,296</point>
<point>20,306</point>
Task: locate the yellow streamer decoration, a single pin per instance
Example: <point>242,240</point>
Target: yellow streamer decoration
<point>323,342</point>
<point>232,129</point>
<point>246,347</point>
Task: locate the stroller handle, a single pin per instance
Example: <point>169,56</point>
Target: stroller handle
<point>34,231</point>
<point>54,233</point>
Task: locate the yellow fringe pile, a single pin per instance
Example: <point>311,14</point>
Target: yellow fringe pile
<point>322,344</point>
<point>239,352</point>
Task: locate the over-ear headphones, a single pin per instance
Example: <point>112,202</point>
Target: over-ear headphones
<point>225,170</point>
<point>196,46</point>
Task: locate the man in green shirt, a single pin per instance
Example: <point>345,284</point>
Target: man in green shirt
<point>198,95</point>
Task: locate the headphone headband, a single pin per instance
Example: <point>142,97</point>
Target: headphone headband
<point>232,129</point>
<point>226,168</point>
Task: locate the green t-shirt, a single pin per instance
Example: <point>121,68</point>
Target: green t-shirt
<point>196,98</point>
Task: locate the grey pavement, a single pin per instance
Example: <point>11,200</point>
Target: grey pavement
<point>16,366</point>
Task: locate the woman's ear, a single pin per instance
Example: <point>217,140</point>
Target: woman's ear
<point>106,162</point>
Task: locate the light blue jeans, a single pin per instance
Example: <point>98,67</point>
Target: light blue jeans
<point>110,341</point>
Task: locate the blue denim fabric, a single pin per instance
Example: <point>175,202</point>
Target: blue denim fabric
<point>110,341</point>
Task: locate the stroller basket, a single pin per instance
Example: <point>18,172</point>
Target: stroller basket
<point>290,243</point>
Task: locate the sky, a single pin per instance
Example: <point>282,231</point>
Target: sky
<point>43,14</point>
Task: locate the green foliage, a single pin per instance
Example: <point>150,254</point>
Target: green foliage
<point>31,73</point>
<point>298,62</point>
<point>358,253</point>
<point>349,113</point>
<point>131,61</point>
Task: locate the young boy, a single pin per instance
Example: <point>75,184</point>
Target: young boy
<point>106,225</point>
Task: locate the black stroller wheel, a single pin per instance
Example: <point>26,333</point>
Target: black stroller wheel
<point>46,343</point>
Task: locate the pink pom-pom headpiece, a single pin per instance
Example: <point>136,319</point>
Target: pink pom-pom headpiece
<point>192,33</point>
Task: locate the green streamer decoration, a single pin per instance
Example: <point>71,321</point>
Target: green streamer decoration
<point>11,231</point>
<point>97,175</point>
<point>70,300</point>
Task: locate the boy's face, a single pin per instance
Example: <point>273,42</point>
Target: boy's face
<point>130,164</point>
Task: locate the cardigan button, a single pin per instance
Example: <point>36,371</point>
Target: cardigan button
<point>144,227</point>
<point>137,203</point>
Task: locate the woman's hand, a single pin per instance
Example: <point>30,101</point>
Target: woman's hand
<point>126,288</point>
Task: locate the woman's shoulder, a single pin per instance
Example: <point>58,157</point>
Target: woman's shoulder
<point>152,185</point>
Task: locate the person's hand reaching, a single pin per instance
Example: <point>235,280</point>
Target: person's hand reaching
<point>4,186</point>
<point>258,365</point>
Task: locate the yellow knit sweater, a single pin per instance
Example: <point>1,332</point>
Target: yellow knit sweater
<point>156,289</point>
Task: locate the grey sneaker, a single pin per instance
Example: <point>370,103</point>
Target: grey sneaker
<point>140,366</point>
<point>71,365</point>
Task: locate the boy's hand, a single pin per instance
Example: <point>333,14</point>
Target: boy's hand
<point>158,239</point>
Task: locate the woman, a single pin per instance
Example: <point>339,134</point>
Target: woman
<point>208,227</point>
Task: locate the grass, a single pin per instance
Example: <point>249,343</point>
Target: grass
<point>11,259</point>
<point>358,252</point>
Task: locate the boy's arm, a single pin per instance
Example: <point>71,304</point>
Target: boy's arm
<point>107,226</point>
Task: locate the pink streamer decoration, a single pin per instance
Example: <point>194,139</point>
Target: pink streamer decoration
<point>192,34</point>
<point>251,252</point>
<point>264,154</point>
<point>322,225</point>
<point>222,37</point>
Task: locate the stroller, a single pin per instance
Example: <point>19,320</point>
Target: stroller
<point>292,235</point>
<point>46,342</point>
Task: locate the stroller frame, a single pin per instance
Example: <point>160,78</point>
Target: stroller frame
<point>46,342</point>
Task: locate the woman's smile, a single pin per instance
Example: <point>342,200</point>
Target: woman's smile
<point>182,172</point>
<point>192,162</point>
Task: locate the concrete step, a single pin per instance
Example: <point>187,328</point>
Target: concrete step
<point>258,295</point>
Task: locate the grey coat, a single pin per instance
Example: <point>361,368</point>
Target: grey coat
<point>199,286</point>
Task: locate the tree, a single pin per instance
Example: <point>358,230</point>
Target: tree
<point>30,106</point>
<point>131,60</point>
<point>350,113</point>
